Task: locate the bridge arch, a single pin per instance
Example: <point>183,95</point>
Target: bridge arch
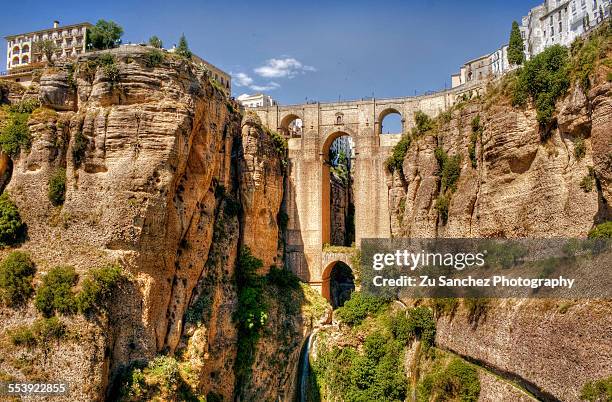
<point>338,282</point>
<point>326,199</point>
<point>291,125</point>
<point>387,112</point>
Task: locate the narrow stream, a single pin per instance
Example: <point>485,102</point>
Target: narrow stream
<point>304,370</point>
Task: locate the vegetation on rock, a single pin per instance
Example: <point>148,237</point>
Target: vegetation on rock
<point>97,288</point>
<point>456,380</point>
<point>360,306</point>
<point>55,295</point>
<point>14,131</point>
<point>543,79</point>
<point>12,229</point>
<point>41,332</point>
<point>251,314</point>
<point>449,169</point>
<point>155,42</point>
<point>596,391</point>
<point>601,231</point>
<point>16,273</point>
<point>57,187</point>
<point>154,58</point>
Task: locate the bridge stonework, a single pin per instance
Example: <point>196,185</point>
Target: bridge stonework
<point>307,187</point>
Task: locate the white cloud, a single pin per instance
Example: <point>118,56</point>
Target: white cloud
<point>282,68</point>
<point>267,87</point>
<point>244,80</point>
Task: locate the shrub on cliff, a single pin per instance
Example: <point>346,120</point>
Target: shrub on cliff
<point>42,332</point>
<point>16,273</point>
<point>423,123</point>
<point>57,187</point>
<point>55,294</point>
<point>154,58</point>
<point>359,306</point>
<point>601,231</point>
<point>97,288</point>
<point>155,42</point>
<point>457,381</point>
<point>79,148</point>
<point>12,229</point>
<point>15,134</point>
<point>544,79</point>
<point>396,159</point>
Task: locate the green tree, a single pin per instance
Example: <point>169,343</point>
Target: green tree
<point>104,35</point>
<point>515,46</point>
<point>16,273</point>
<point>156,42</point>
<point>183,49</point>
<point>47,47</point>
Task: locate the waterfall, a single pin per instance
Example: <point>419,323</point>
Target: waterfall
<point>304,371</point>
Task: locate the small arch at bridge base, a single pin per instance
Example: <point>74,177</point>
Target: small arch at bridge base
<point>338,283</point>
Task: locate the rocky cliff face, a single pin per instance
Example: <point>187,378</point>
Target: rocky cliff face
<point>516,182</point>
<point>515,185</point>
<point>164,178</point>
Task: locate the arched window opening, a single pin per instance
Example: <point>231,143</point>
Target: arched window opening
<point>392,123</point>
<point>292,126</point>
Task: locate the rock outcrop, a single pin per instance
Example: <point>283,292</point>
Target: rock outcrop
<point>161,177</point>
<point>517,185</point>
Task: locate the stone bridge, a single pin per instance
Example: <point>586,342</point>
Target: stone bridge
<point>308,185</point>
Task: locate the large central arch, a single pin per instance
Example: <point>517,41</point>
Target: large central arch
<point>325,185</point>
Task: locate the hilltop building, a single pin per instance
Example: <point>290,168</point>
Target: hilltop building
<point>70,41</point>
<point>551,23</point>
<point>256,100</point>
<point>560,22</point>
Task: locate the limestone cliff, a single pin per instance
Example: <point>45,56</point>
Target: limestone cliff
<point>515,185</point>
<point>163,177</point>
<point>518,179</point>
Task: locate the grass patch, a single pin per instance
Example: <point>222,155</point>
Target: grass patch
<point>601,231</point>
<point>398,153</point>
<point>596,391</point>
<point>41,332</point>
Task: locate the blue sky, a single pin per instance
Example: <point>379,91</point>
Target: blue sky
<point>315,50</point>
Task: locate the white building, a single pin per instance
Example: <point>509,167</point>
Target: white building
<point>70,41</point>
<point>256,100</point>
<point>560,22</point>
<point>499,61</point>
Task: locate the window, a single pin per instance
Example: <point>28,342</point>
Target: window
<point>552,31</point>
<point>551,20</point>
<point>560,26</point>
<point>573,7</point>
